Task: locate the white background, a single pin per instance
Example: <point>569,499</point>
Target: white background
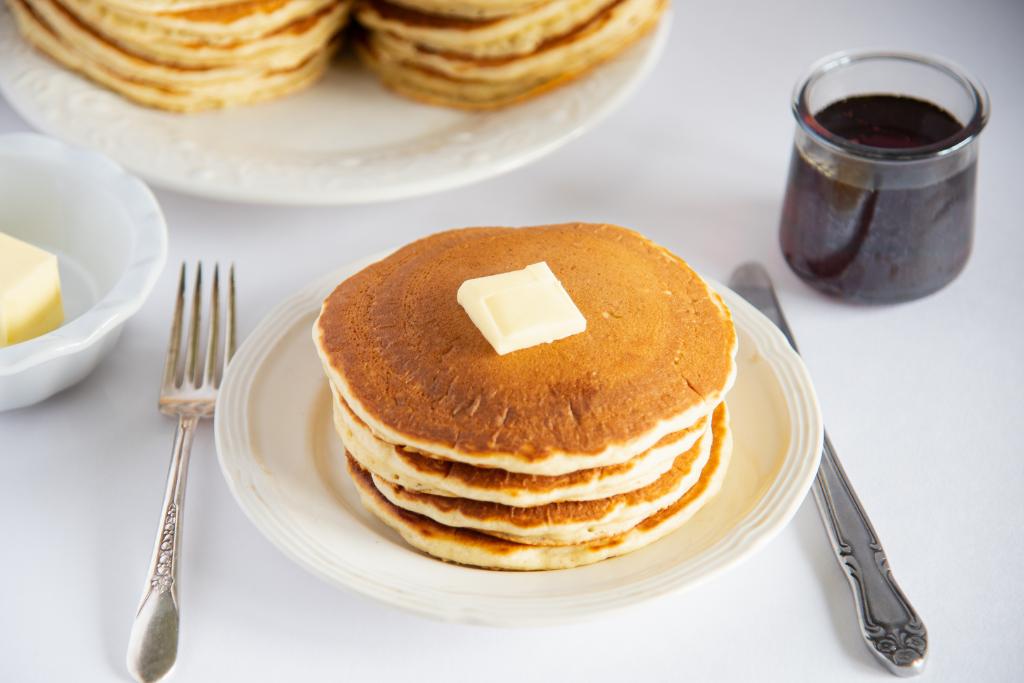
<point>922,400</point>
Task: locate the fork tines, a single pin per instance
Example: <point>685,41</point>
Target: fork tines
<point>200,368</point>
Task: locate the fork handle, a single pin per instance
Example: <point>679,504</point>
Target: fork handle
<point>153,643</point>
<point>889,625</point>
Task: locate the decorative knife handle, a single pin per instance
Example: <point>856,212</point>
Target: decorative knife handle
<point>890,626</point>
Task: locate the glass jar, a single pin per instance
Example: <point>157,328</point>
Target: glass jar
<point>879,204</point>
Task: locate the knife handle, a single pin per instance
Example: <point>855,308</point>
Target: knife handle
<point>889,625</point>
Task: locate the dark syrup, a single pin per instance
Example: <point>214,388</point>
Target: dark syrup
<point>878,244</point>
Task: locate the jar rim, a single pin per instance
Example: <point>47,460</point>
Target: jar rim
<point>970,130</point>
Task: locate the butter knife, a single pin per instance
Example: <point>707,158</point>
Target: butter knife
<point>889,624</point>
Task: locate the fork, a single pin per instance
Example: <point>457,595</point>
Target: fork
<point>188,392</point>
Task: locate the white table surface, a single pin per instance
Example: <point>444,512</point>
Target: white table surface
<point>922,401</point>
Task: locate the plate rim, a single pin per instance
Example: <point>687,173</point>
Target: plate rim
<point>192,180</point>
<point>759,525</point>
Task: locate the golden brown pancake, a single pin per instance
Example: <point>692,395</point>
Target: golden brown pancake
<point>469,547</point>
<point>499,63</point>
<point>198,65</point>
<point>564,522</point>
<point>657,355</point>
<point>228,14</point>
<point>408,16</point>
<point>231,23</point>
<point>465,58</point>
<point>161,65</point>
<point>507,37</point>
<point>469,9</point>
<point>426,474</point>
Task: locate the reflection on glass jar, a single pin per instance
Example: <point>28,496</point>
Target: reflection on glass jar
<point>879,205</point>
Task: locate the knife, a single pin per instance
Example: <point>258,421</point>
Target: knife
<point>889,624</point>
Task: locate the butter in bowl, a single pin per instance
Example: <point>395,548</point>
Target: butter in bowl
<point>30,300</point>
<point>82,242</point>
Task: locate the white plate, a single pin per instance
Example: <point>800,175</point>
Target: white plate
<point>346,140</point>
<point>284,465</point>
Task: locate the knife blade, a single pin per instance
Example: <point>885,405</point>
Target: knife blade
<point>890,626</point>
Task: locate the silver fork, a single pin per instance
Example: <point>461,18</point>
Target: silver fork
<point>188,392</point>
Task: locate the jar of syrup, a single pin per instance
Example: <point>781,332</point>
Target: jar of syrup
<point>879,205</point>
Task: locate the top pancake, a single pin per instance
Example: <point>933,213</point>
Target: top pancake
<point>657,355</point>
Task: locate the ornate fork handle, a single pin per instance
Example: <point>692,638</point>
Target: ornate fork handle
<point>153,644</point>
<point>889,624</point>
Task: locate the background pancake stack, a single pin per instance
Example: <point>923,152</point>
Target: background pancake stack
<point>554,456</point>
<point>188,55</point>
<point>490,53</point>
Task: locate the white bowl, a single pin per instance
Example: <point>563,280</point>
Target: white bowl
<point>110,239</point>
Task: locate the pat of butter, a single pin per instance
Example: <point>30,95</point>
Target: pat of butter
<point>521,309</point>
<point>30,303</point>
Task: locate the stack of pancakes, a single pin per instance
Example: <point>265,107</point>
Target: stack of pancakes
<point>490,53</point>
<point>553,456</point>
<point>188,55</point>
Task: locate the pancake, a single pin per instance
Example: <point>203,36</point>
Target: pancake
<point>605,30</point>
<point>134,65</point>
<point>145,6</point>
<point>240,21</point>
<point>468,547</point>
<point>482,82</point>
<point>515,35</point>
<point>189,57</point>
<point>469,9</point>
<point>564,522</point>
<point>104,38</point>
<point>657,356</point>
<point>172,96</point>
<point>424,474</point>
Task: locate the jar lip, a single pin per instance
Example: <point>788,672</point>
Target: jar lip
<point>806,120</point>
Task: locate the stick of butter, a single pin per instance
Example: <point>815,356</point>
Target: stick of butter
<point>30,302</point>
<point>521,309</point>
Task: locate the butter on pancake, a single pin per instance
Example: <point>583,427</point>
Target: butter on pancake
<point>658,354</point>
<point>474,548</point>
<point>521,308</point>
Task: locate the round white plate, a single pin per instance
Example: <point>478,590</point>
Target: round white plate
<point>346,140</point>
<point>284,464</point>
